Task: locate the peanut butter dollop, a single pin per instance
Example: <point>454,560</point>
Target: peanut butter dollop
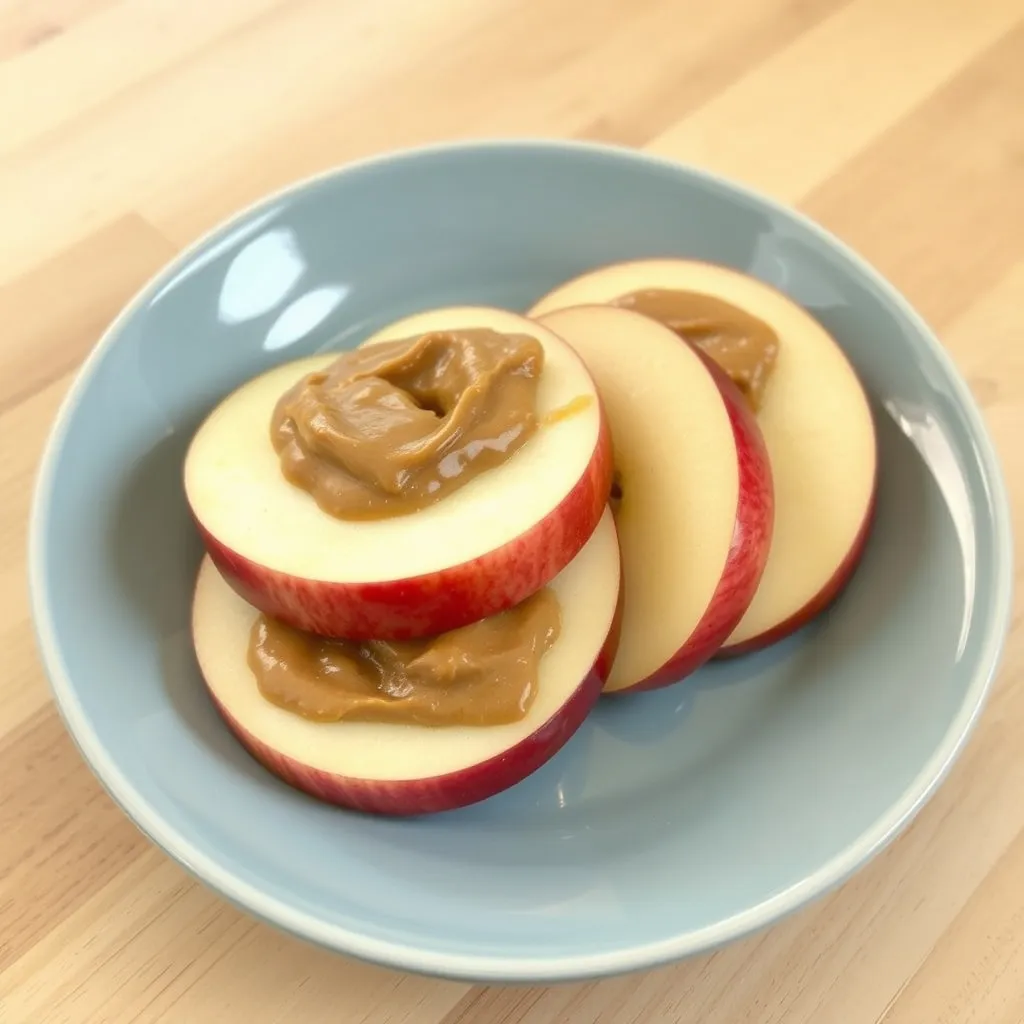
<point>745,347</point>
<point>482,674</point>
<point>393,427</point>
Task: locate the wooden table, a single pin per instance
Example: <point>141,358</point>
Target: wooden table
<point>128,126</point>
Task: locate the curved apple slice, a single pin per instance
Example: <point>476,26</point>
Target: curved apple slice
<point>695,517</point>
<point>410,769</point>
<point>478,551</point>
<point>817,427</point>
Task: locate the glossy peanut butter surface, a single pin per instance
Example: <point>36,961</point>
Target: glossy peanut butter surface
<point>483,674</point>
<point>393,427</point>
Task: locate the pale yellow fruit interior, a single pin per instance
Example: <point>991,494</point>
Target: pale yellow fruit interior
<point>235,485</point>
<point>676,453</point>
<point>587,591</point>
<point>815,419</point>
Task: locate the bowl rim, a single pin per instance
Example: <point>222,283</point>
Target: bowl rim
<point>495,968</point>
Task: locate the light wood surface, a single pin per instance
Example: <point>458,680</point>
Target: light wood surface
<point>128,126</point>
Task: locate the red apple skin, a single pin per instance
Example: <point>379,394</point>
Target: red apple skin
<point>819,603</point>
<point>397,798</point>
<point>436,602</point>
<point>748,553</point>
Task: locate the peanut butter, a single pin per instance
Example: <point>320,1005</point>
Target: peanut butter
<point>566,412</point>
<point>482,674</point>
<point>742,345</point>
<point>391,428</point>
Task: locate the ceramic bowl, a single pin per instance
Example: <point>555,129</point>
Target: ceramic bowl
<point>673,821</point>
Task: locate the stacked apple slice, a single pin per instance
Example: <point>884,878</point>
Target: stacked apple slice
<point>816,424</point>
<point>726,531</point>
<point>695,506</point>
<point>540,519</point>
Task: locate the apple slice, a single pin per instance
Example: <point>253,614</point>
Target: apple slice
<point>478,551</point>
<point>695,517</point>
<point>817,427</point>
<point>412,769</point>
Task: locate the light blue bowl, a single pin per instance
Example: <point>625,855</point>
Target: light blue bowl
<point>673,821</point>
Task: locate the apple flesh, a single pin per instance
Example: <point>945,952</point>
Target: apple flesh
<point>817,427</point>
<point>412,769</point>
<point>478,551</point>
<point>695,516</point>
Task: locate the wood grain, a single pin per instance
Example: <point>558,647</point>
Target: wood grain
<point>129,126</point>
